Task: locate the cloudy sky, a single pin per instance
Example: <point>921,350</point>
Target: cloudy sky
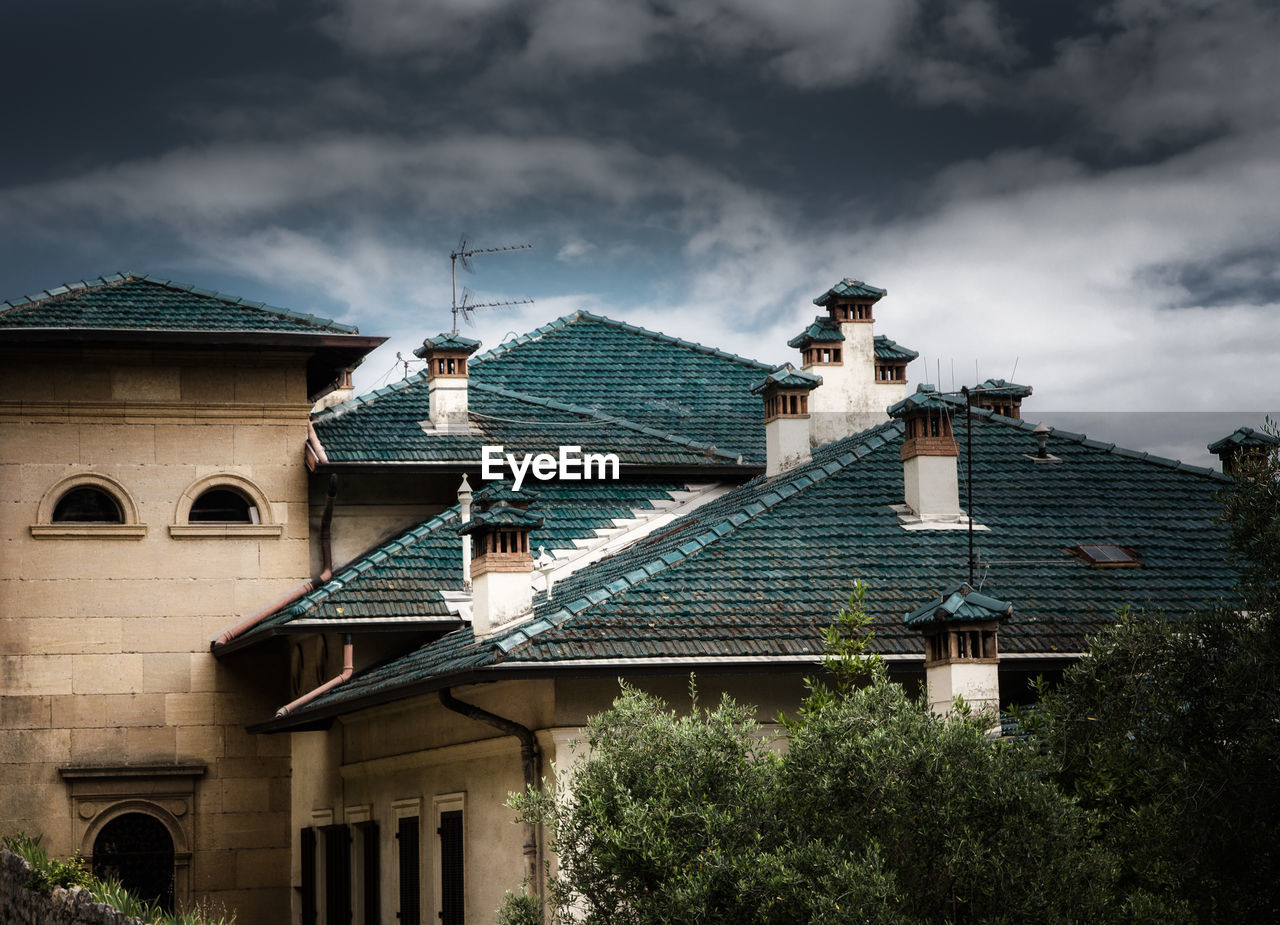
<point>1086,190</point>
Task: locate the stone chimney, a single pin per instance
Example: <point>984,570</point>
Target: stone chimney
<point>786,393</point>
<point>1245,445</point>
<point>961,655</point>
<point>862,374</point>
<point>1001,396</point>
<point>343,390</point>
<point>446,356</point>
<point>931,487</point>
<point>502,567</point>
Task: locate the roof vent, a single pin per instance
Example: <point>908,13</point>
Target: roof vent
<point>1107,555</point>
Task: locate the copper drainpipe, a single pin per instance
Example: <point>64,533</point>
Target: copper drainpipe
<point>299,591</point>
<point>348,666</point>
<point>530,760</point>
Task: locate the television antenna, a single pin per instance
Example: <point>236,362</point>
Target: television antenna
<point>463,253</point>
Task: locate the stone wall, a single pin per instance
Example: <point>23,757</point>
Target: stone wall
<point>20,906</point>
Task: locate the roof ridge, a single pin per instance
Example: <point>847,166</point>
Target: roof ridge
<point>606,418</point>
<point>582,314</point>
<point>127,275</point>
<point>351,404</point>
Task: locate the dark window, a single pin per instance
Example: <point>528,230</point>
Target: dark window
<point>371,886</point>
<point>137,850</point>
<point>223,505</point>
<point>410,892</point>
<point>87,506</point>
<point>452,885</point>
<point>308,876</point>
<point>337,875</point>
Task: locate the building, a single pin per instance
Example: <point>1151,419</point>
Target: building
<point>448,635</point>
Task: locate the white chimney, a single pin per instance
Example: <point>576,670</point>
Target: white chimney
<point>931,487</point>
<point>446,356</point>
<point>464,516</point>
<point>786,393</point>
<point>862,374</point>
<point>962,657</point>
<point>501,566</point>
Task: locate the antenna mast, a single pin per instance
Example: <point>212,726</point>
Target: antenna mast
<point>464,253</point>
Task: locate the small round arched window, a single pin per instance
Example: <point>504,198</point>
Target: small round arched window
<point>87,505</point>
<point>223,506</point>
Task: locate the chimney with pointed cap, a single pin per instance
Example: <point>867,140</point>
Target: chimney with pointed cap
<point>931,486</point>
<point>961,656</point>
<point>446,356</point>
<point>786,393</point>
<point>502,567</point>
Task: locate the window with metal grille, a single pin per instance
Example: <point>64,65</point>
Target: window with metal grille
<point>370,885</point>
<point>337,875</point>
<point>137,850</point>
<point>410,890</point>
<point>452,886</point>
<point>308,853</point>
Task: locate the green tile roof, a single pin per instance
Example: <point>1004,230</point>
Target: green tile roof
<point>760,571</point>
<point>925,396</point>
<point>502,515</point>
<point>787,376</point>
<point>1244,436</point>
<point>620,388</point>
<point>452,341</point>
<point>891,350</point>
<point>823,330</point>
<point>959,604</point>
<point>130,301</point>
<point>850,289</point>
<point>403,579</point>
<point>1002,387</point>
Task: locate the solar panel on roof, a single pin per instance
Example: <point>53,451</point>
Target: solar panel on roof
<point>1107,554</point>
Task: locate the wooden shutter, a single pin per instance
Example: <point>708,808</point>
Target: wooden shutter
<point>337,875</point>
<point>372,878</point>
<point>308,876</point>
<point>452,887</point>
<point>410,891</point>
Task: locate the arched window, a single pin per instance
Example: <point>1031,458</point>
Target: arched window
<point>136,849</point>
<point>87,505</point>
<point>223,506</point>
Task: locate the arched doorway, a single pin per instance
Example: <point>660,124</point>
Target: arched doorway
<point>137,850</point>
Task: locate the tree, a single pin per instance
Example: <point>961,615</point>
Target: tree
<point>878,811</point>
<point>1169,729</point>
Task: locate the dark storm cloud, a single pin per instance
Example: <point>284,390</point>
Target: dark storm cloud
<point>1036,183</point>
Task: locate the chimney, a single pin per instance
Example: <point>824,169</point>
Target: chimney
<point>1243,448</point>
<point>501,565</point>
<point>464,516</point>
<point>931,486</point>
<point>446,356</point>
<point>961,656</point>
<point>343,390</point>
<point>1001,396</point>
<point>862,374</point>
<point>786,417</point>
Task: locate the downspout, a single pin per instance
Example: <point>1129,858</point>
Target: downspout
<point>301,590</point>
<point>530,760</point>
<point>348,666</point>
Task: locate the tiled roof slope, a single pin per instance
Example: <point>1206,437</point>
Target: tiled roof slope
<point>386,426</point>
<point>404,577</point>
<point>759,571</point>
<point>128,301</point>
<point>887,349</point>
<point>618,369</point>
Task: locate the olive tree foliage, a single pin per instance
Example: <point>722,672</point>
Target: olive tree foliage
<point>876,811</point>
<point>1169,730</point>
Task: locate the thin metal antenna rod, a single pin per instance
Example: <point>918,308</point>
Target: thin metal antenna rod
<point>464,253</point>
<point>968,434</point>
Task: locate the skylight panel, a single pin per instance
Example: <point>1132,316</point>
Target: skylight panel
<point>1107,555</point>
